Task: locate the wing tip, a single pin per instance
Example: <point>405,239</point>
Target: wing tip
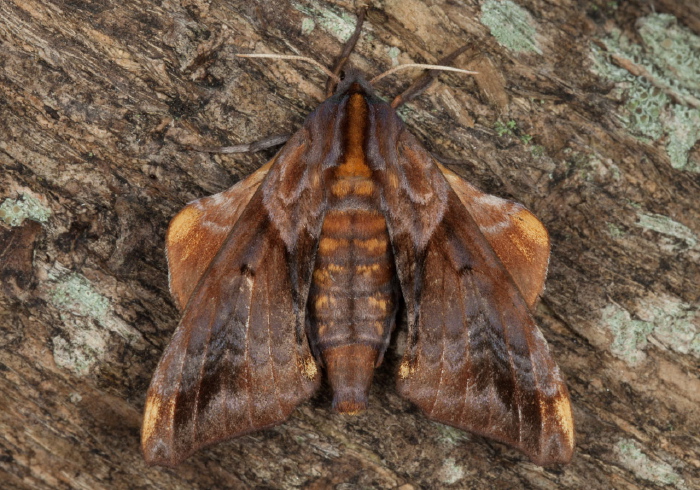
<point>159,455</point>
<point>557,438</point>
<point>559,450</point>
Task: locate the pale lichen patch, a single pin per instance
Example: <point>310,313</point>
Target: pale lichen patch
<point>450,436</point>
<point>631,457</point>
<point>77,359</point>
<point>659,79</point>
<point>511,25</point>
<point>338,23</point>
<point>307,26</point>
<point>451,472</point>
<point>666,320</point>
<point>393,53</point>
<point>14,211</point>
<point>629,336</point>
<point>76,294</point>
<point>87,321</point>
<point>676,325</point>
<point>670,228</point>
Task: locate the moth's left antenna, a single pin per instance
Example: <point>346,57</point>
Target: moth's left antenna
<point>347,49</point>
<point>318,65</point>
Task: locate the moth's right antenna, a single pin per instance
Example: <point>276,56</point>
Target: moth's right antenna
<point>420,84</point>
<point>422,66</point>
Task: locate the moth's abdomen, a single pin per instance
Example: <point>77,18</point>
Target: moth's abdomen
<point>353,285</point>
<point>352,302</point>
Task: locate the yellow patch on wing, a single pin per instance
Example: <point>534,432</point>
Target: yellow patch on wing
<point>182,225</point>
<point>309,368</point>
<point>367,270</point>
<point>337,221</point>
<point>341,188</point>
<point>531,227</point>
<point>357,187</point>
<point>528,235</point>
<point>393,180</point>
<point>374,302</point>
<point>405,369</point>
<point>324,301</point>
<point>152,415</point>
<point>559,409</point>
<point>324,276</point>
<point>363,187</point>
<point>452,178</point>
<point>523,247</point>
<point>562,408</point>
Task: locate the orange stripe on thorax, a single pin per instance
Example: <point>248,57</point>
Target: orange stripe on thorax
<point>355,164</point>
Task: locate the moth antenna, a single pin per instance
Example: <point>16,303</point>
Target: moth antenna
<point>419,65</point>
<point>347,49</point>
<point>318,65</point>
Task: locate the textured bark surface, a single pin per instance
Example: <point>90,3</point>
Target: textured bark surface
<point>97,98</point>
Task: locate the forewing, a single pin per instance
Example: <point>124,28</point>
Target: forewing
<point>242,262</point>
<point>197,232</point>
<point>519,239</point>
<point>478,361</point>
<point>475,358</point>
<point>235,363</point>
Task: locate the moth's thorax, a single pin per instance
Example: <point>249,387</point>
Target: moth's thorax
<point>352,302</point>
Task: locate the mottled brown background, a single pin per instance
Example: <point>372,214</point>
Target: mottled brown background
<point>96,99</point>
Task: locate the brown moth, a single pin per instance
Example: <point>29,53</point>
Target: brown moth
<point>308,264</point>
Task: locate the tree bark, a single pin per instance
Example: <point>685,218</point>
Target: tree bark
<point>99,99</point>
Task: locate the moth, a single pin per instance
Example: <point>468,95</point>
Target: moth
<point>307,265</point>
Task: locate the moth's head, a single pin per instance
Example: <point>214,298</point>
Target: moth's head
<point>353,81</point>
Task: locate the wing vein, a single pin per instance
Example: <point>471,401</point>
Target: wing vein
<point>269,342</point>
<point>246,357</point>
<point>468,333</point>
<point>443,328</point>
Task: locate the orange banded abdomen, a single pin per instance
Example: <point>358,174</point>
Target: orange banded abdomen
<point>353,296</point>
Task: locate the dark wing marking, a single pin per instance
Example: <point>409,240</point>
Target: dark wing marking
<point>515,234</point>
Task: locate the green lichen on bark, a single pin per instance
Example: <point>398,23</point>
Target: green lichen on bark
<point>511,25</point>
<point>338,23</point>
<point>670,321</point>
<point>670,228</point>
<point>87,322</point>
<point>635,460</point>
<point>662,94</point>
<point>14,211</point>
